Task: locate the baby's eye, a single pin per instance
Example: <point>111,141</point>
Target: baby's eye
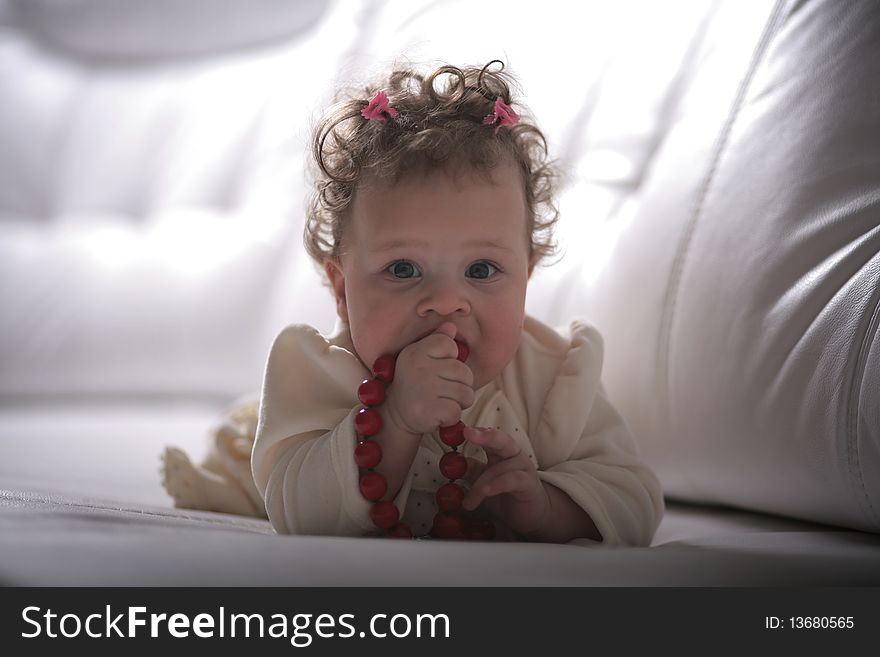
<point>481,269</point>
<point>403,269</point>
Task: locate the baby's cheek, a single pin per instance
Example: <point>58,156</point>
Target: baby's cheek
<point>498,351</point>
<point>373,330</point>
<point>367,341</point>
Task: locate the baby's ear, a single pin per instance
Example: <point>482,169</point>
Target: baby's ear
<point>336,276</point>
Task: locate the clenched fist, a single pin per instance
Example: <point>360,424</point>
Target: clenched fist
<point>431,386</point>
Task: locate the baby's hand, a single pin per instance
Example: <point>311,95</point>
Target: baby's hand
<point>431,386</point>
<point>507,484</point>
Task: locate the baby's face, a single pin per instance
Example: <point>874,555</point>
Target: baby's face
<point>432,249</point>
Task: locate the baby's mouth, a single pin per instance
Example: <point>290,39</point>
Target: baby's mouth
<point>463,349</point>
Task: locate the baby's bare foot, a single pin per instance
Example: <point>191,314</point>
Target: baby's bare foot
<point>193,487</point>
<point>183,481</point>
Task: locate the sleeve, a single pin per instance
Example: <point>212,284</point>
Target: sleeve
<point>303,456</point>
<point>584,448</point>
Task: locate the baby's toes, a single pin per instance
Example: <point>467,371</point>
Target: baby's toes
<point>182,479</point>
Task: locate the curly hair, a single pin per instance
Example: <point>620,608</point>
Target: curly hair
<point>439,126</point>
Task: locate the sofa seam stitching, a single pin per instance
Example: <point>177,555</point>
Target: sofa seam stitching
<point>678,264</point>
<point>45,500</point>
<point>854,402</point>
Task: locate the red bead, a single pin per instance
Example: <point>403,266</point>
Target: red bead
<point>384,514</point>
<point>368,422</point>
<point>463,351</point>
<point>373,486</point>
<point>448,525</point>
<point>371,392</point>
<point>480,530</point>
<point>453,435</point>
<point>367,454</point>
<point>400,530</point>
<point>453,465</point>
<point>383,368</point>
<point>449,497</point>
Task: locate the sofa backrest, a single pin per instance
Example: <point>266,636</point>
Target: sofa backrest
<point>151,192</point>
<point>151,164</point>
<point>740,305</point>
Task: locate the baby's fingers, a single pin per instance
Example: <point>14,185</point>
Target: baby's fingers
<point>497,444</point>
<point>475,469</point>
<point>485,481</point>
<point>516,482</point>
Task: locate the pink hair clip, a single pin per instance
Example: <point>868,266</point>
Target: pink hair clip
<point>378,108</point>
<point>503,115</point>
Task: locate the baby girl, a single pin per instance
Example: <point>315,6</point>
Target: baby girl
<point>437,407</point>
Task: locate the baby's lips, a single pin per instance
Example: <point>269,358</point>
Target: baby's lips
<point>463,350</point>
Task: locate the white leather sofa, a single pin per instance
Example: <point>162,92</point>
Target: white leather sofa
<point>721,226</point>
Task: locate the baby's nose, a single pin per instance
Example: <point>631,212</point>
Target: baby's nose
<point>445,299</point>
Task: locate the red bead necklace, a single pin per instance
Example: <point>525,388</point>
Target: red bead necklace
<point>448,523</point>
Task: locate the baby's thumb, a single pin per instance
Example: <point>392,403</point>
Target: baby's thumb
<point>447,329</point>
<point>475,469</point>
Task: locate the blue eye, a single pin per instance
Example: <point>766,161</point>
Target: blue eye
<point>403,269</point>
<point>482,270</point>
